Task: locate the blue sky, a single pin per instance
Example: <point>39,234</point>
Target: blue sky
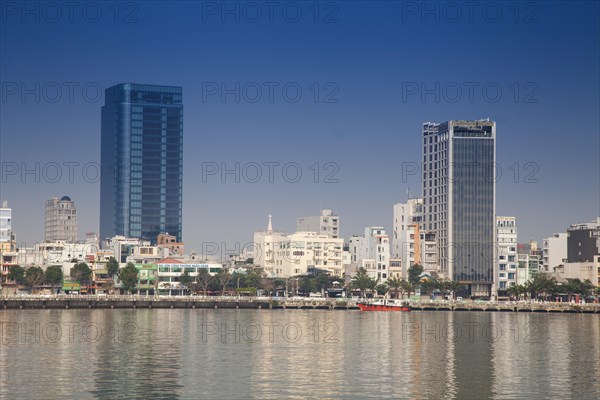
<point>374,67</point>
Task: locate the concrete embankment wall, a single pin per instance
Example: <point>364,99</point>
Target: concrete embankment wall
<point>193,303</point>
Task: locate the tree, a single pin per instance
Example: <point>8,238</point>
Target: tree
<point>185,279</point>
<point>223,278</point>
<point>278,285</point>
<point>81,273</point>
<point>112,267</point>
<point>322,282</point>
<point>394,283</point>
<point>251,279</point>
<point>513,291</point>
<point>203,279</point>
<point>407,287</point>
<point>34,277</point>
<point>543,285</point>
<point>414,274</point>
<point>129,277</point>
<point>16,273</point>
<point>381,289</point>
<point>362,281</point>
<point>307,285</point>
<point>54,276</point>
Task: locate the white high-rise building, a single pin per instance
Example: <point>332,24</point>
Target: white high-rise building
<point>554,251</point>
<point>61,220</point>
<point>406,232</point>
<point>328,223</point>
<point>372,252</point>
<point>506,272</point>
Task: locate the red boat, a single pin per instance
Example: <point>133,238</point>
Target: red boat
<point>384,305</point>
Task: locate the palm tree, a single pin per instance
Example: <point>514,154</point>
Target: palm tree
<point>361,281</point>
<point>513,291</point>
<point>407,287</point>
<point>395,284</point>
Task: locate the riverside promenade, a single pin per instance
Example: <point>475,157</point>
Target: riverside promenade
<point>272,303</point>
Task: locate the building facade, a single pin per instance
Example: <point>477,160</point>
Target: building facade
<point>554,251</point>
<point>506,273</point>
<point>141,162</point>
<point>302,253</point>
<point>372,252</point>
<point>583,242</point>
<point>459,194</point>
<point>264,245</point>
<point>407,220</point>
<point>61,220</point>
<point>5,223</point>
<point>328,223</point>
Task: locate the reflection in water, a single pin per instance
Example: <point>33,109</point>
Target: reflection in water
<point>297,354</point>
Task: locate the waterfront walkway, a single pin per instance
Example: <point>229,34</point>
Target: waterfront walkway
<point>304,303</point>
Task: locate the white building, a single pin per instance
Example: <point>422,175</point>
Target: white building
<point>406,216</point>
<point>170,271</point>
<point>5,223</point>
<point>56,253</point>
<point>581,270</point>
<point>372,252</point>
<point>554,251</point>
<point>304,252</point>
<point>328,223</point>
<point>123,247</point>
<point>8,247</point>
<point>428,251</point>
<point>506,274</point>
<point>61,220</point>
<point>264,248</point>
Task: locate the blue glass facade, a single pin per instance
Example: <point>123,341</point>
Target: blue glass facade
<point>459,192</point>
<point>141,161</point>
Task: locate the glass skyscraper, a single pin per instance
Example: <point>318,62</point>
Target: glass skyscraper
<point>459,199</point>
<point>141,161</point>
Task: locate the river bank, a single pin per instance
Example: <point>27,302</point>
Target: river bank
<point>225,302</point>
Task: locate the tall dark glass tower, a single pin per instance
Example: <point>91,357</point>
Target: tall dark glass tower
<point>459,199</point>
<point>141,161</point>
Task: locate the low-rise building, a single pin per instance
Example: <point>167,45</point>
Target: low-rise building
<point>166,241</point>
<point>581,270</point>
<point>300,252</point>
<point>170,271</point>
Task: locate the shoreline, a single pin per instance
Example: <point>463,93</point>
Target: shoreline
<point>197,302</point>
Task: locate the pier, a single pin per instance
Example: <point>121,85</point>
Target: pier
<point>270,303</point>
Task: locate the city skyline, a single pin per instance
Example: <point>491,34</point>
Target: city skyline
<point>368,129</point>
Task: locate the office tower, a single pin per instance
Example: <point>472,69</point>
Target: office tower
<point>459,194</point>
<point>142,162</point>
<point>61,220</point>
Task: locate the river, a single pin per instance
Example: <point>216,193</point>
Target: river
<point>277,354</point>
